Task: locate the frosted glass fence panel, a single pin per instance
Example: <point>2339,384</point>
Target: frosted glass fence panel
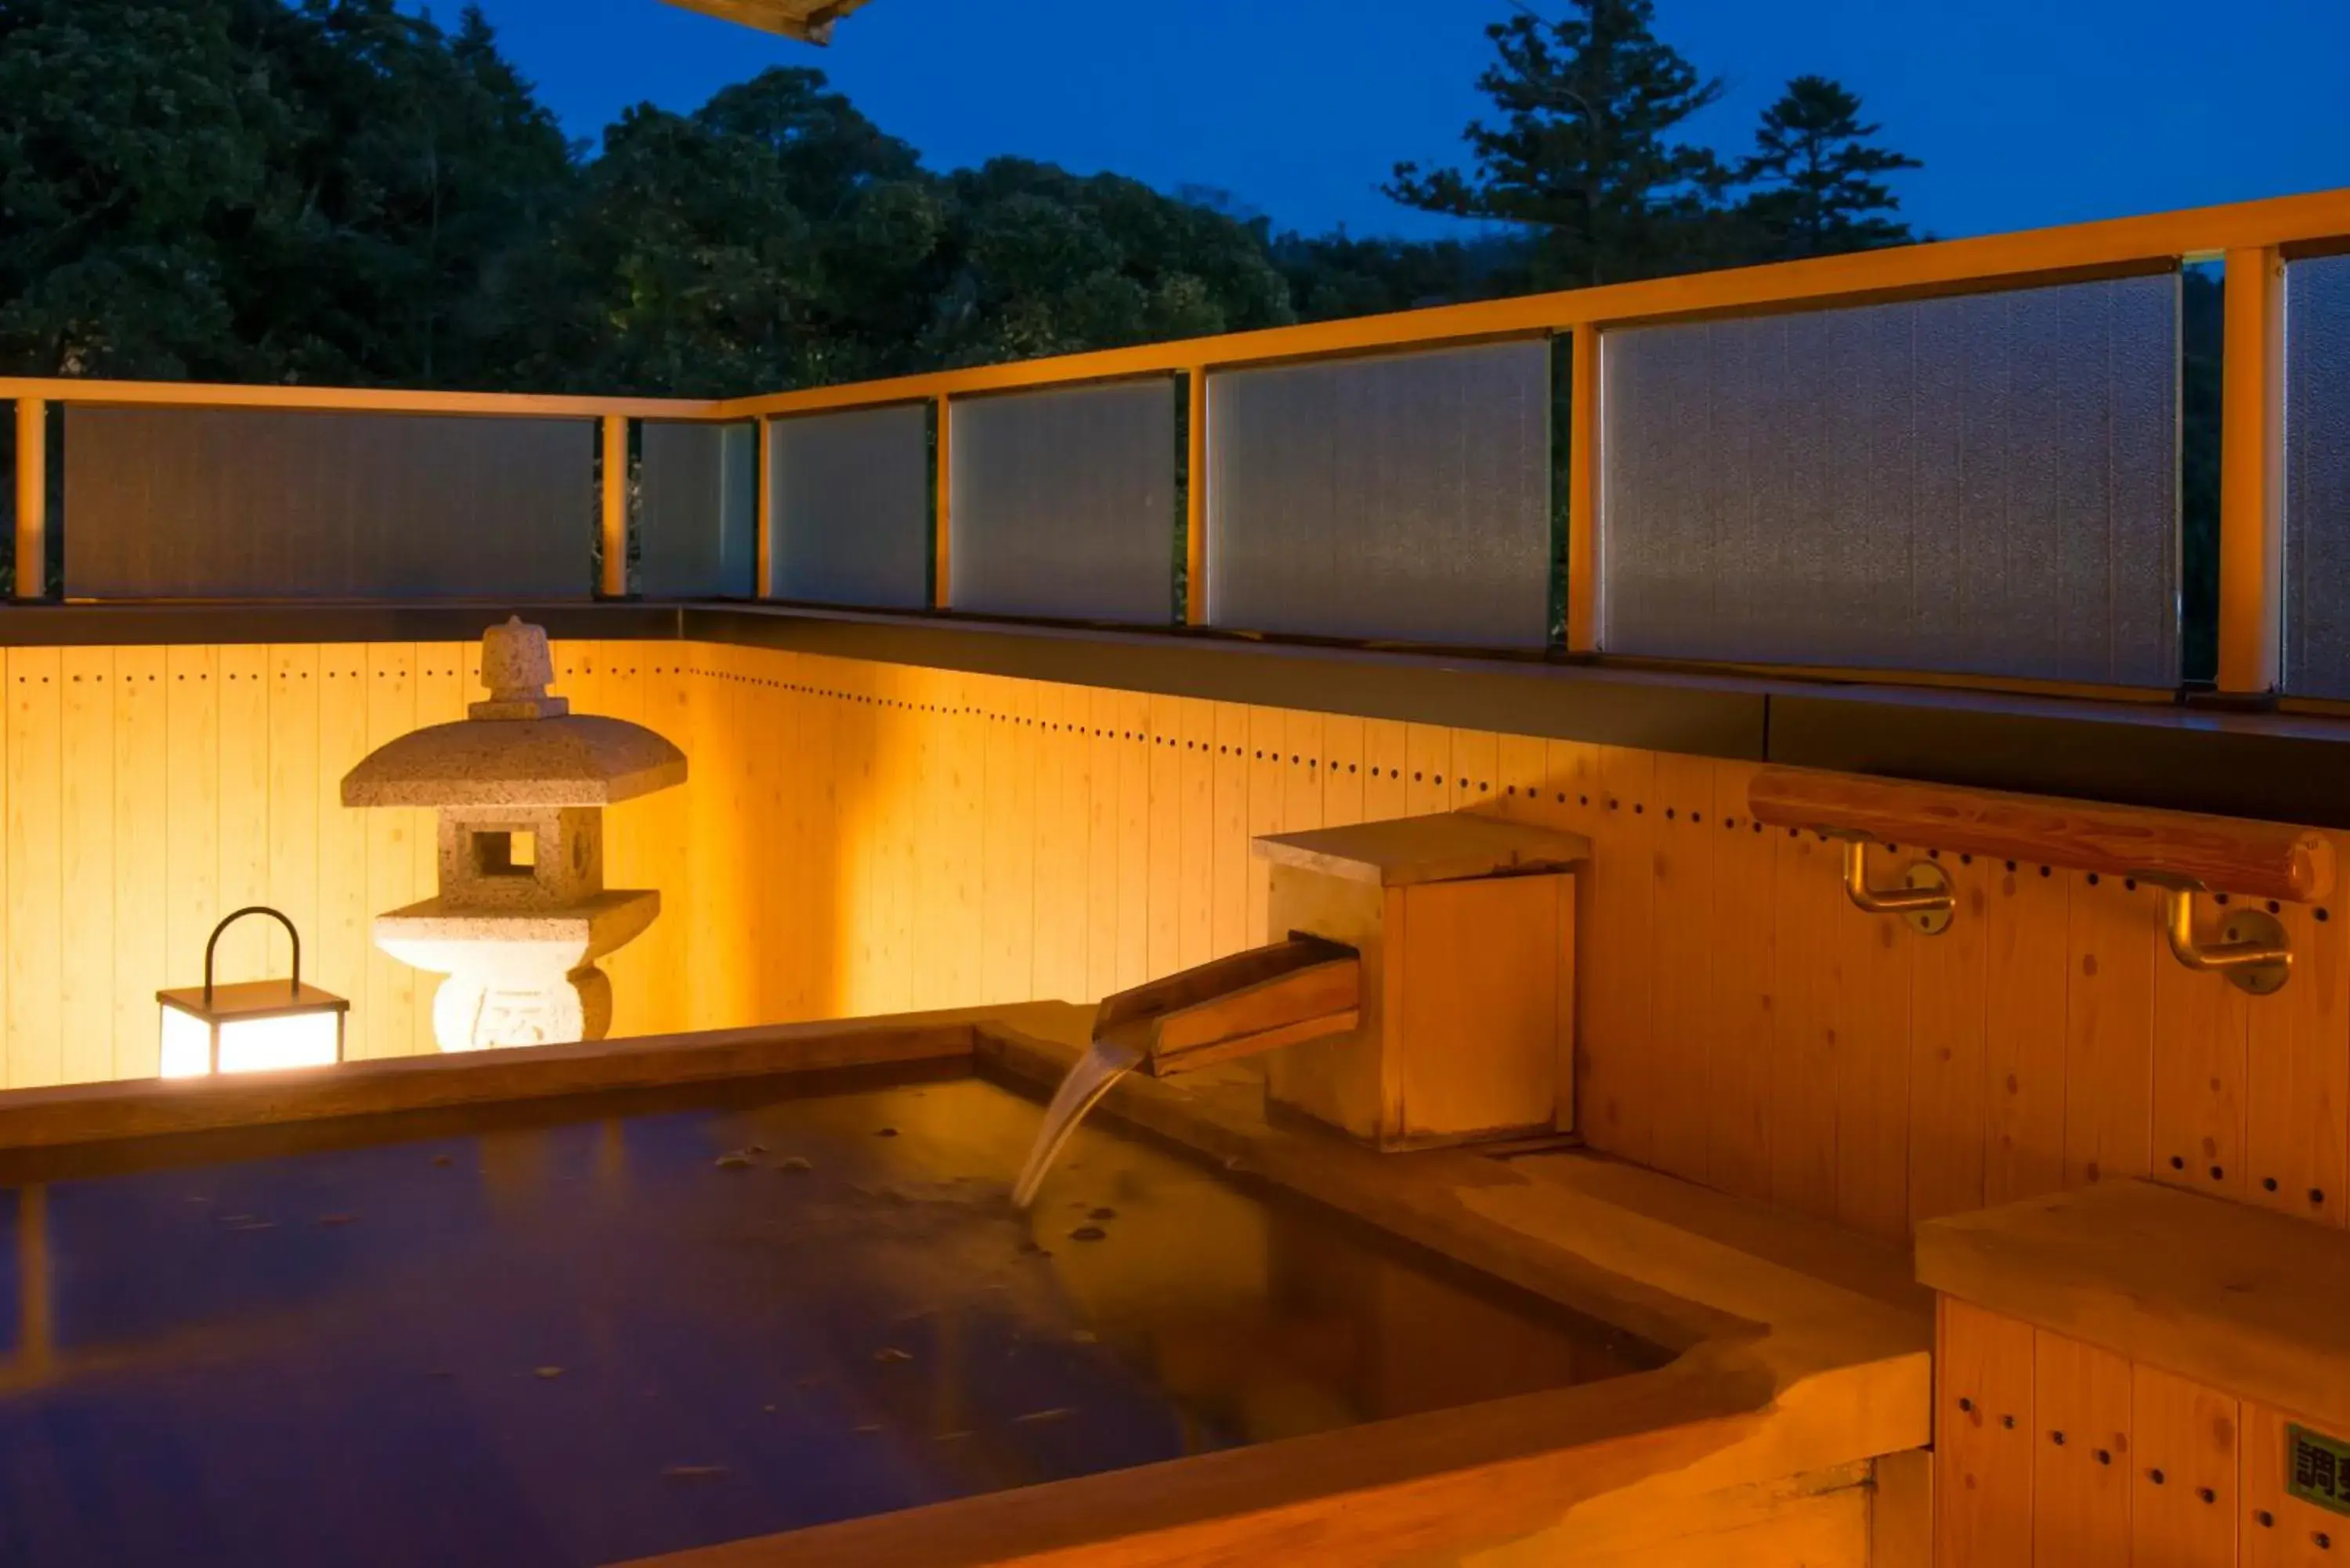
<point>851,507</point>
<point>697,507</point>
<point>1063,504</point>
<point>1982,485</point>
<point>2317,478</point>
<point>196,503</point>
<point>1404,497</point>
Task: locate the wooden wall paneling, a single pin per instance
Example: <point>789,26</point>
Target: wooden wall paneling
<point>1740,1005</point>
<point>1342,771</point>
<point>1948,1077</point>
<point>1234,870</point>
<point>1102,830</point>
<point>142,857</point>
<point>2183,1484</point>
<point>1804,1042</point>
<point>1131,721</point>
<point>2276,1529</point>
<point>709,916</point>
<point>293,759</point>
<point>1011,863</point>
<point>1387,749</point>
<point>1267,797</point>
<point>1984,1424</point>
<point>663,824</point>
<point>799,864</point>
<point>819,877</point>
<point>35,866</point>
<point>746,845</point>
<point>884,792</point>
<point>2082,1457</point>
<point>2297,1060</point>
<point>1476,759</point>
<point>241,674</point>
<point>1164,751</point>
<point>766,945</point>
<point>2027,969</point>
<point>86,990</point>
<point>914,760</point>
<point>629,849</point>
<point>1195,904</point>
<point>441,699</point>
<point>1875,966</point>
<point>1615,1091</point>
<point>1427,767</point>
<point>1060,962</point>
<point>2201,1026</point>
<point>966,808</point>
<point>338,950</point>
<point>1521,765</point>
<point>1682,955</point>
<point>2109,1029</point>
<point>394,990</point>
<point>1301,736</point>
<point>856,912</point>
<point>192,724</point>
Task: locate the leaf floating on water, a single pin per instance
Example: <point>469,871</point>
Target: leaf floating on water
<point>693,1472</point>
<point>758,1148</point>
<point>547,1372</point>
<point>1088,1233</point>
<point>795,1163</point>
<point>889,1354</point>
<point>1037,1418</point>
<point>736,1161</point>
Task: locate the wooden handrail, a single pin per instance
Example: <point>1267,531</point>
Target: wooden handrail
<point>2220,854</point>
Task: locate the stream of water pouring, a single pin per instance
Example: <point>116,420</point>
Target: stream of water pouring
<point>1090,1077</point>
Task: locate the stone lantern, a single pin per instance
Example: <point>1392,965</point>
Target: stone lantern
<point>523,912</point>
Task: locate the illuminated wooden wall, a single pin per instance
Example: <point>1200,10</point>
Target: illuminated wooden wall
<point>866,838</point>
<point>1741,1024</point>
<point>2051,1451</point>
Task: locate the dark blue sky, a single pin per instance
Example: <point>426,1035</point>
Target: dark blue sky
<point>2025,112</point>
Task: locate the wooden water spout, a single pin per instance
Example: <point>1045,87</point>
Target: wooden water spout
<point>1271,996</point>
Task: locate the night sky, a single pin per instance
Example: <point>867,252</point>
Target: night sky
<point>2025,112</point>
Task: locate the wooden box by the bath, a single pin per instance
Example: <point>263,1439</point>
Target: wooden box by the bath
<point>1466,927</point>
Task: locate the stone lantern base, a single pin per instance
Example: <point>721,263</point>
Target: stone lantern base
<point>517,977</point>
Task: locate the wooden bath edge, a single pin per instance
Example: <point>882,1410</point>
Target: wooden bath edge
<point>1786,1384</point>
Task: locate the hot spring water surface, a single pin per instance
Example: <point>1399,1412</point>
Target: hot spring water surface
<point>517,1339</point>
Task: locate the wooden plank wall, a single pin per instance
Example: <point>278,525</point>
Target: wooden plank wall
<point>148,791</point>
<point>1741,1024</point>
<point>2053,1452</point>
<point>861,838</point>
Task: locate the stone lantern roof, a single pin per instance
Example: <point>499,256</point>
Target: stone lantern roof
<point>521,748</point>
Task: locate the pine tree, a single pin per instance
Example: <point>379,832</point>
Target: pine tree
<point>1814,177</point>
<point>1584,151</point>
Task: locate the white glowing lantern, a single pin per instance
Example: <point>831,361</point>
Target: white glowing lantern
<point>256,1026</point>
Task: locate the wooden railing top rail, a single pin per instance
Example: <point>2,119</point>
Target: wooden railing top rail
<point>2107,247</point>
<point>352,399</point>
<point>2223,854</point>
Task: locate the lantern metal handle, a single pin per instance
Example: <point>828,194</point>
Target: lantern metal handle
<point>294,988</point>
